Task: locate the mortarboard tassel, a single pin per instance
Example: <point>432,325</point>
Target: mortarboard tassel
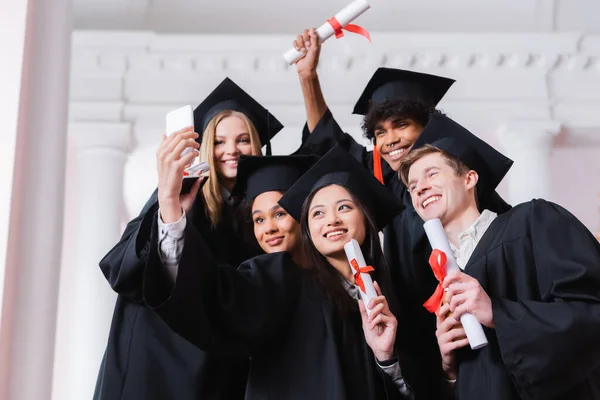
<point>377,165</point>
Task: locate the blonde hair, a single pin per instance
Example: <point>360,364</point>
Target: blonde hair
<point>408,160</point>
<point>211,191</point>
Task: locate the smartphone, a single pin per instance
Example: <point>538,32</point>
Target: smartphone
<point>190,177</point>
<point>178,119</point>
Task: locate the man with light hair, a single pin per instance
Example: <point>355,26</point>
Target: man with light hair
<point>530,276</point>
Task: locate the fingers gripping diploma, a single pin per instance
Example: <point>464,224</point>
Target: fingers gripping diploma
<point>380,326</point>
<point>450,336</point>
<point>464,294</point>
<point>309,44</point>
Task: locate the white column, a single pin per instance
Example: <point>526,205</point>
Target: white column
<point>37,141</point>
<point>529,145</point>
<point>86,300</point>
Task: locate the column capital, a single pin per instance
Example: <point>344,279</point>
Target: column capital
<point>98,135</point>
<point>528,133</point>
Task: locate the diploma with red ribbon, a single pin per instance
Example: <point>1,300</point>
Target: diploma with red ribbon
<point>361,270</point>
<point>442,261</point>
<point>334,26</point>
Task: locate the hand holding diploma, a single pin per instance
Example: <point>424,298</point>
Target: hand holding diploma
<point>361,270</point>
<point>378,322</point>
<point>442,262</point>
<point>334,26</point>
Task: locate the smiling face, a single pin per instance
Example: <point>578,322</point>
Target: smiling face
<point>394,138</point>
<point>438,191</point>
<point>232,139</point>
<point>274,229</point>
<point>334,219</point>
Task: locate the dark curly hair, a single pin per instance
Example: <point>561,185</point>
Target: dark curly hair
<point>415,110</point>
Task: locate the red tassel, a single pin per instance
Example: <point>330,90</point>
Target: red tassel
<point>377,165</point>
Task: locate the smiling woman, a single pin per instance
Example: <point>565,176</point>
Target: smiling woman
<point>275,307</point>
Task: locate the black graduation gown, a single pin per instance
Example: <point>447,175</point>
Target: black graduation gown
<point>407,252</point>
<point>301,347</point>
<point>541,268</point>
<point>144,359</point>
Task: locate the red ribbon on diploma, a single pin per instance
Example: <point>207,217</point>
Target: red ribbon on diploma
<point>437,260</point>
<point>337,29</point>
<point>358,270</point>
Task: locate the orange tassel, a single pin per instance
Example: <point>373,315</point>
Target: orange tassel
<point>377,165</point>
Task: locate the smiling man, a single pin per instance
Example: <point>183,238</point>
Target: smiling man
<point>530,276</point>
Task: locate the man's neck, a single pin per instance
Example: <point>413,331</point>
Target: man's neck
<point>460,223</point>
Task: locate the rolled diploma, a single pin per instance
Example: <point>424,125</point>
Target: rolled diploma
<point>438,240</point>
<point>344,17</point>
<point>353,252</point>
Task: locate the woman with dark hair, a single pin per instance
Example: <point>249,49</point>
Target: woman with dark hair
<point>294,310</point>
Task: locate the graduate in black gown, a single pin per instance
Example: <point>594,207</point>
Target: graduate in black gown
<point>530,276</point>
<point>144,359</point>
<point>397,104</point>
<point>292,310</point>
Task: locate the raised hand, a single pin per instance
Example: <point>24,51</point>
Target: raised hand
<point>308,42</point>
<point>170,166</point>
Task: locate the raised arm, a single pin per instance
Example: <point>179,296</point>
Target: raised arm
<point>217,306</point>
<point>308,42</point>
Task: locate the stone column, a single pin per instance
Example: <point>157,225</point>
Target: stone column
<point>38,34</point>
<point>86,299</point>
<point>529,145</point>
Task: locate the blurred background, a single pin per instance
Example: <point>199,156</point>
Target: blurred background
<point>85,86</point>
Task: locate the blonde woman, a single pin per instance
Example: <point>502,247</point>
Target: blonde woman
<point>144,359</point>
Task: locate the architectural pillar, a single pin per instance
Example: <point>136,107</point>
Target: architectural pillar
<point>529,145</point>
<point>37,142</point>
<point>86,299</point>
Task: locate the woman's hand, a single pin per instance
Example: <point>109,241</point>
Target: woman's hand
<point>170,167</point>
<point>450,336</point>
<point>380,326</point>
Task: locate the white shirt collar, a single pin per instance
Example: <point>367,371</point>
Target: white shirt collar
<point>469,238</point>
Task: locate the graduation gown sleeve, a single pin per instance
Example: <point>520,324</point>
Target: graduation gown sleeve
<point>214,306</point>
<point>551,346</point>
<point>123,266</point>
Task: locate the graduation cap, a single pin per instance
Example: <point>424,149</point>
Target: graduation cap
<point>454,139</point>
<point>392,84</point>
<point>339,167</point>
<point>259,174</point>
<point>229,96</point>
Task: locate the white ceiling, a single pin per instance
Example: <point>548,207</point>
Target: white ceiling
<point>289,16</point>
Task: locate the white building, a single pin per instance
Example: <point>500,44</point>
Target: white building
<point>81,113</point>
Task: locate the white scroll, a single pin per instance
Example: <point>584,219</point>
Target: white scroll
<point>438,240</point>
<point>357,261</point>
<point>325,31</point>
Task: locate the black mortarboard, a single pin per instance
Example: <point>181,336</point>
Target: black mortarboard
<point>259,174</point>
<point>339,167</point>
<point>229,96</point>
<point>449,136</point>
<point>391,83</point>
